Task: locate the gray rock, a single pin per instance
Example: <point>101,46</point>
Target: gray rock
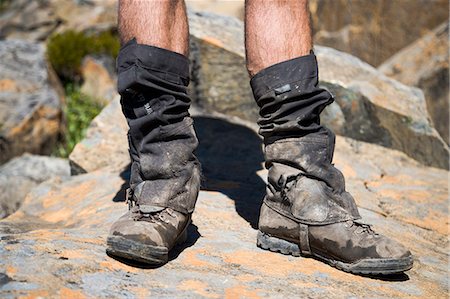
<point>37,20</point>
<point>21,174</point>
<point>60,231</point>
<point>105,144</point>
<point>369,106</point>
<point>30,100</point>
<point>378,109</point>
<point>425,64</point>
<point>219,79</point>
<point>99,78</point>
<point>374,30</point>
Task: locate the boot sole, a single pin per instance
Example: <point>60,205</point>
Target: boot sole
<point>362,267</point>
<point>139,252</point>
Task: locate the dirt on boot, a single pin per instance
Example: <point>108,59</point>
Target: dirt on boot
<point>350,246</point>
<point>147,237</point>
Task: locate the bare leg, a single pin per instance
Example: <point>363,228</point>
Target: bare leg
<point>159,23</point>
<point>275,31</point>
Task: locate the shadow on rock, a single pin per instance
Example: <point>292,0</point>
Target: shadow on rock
<point>121,194</point>
<point>389,277</point>
<point>230,155</point>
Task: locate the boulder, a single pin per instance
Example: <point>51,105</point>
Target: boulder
<point>233,8</point>
<point>219,78</point>
<point>60,230</point>
<point>105,143</point>
<point>31,100</point>
<point>374,30</point>
<point>378,109</point>
<point>425,64</point>
<point>369,106</point>
<point>37,20</point>
<point>21,174</point>
<point>99,78</point>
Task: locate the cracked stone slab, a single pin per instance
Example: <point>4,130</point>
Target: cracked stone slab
<point>61,229</point>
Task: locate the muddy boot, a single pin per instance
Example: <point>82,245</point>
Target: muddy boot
<point>165,174</point>
<point>306,210</point>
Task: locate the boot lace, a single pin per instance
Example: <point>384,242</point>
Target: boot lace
<point>361,227</point>
<point>138,215</point>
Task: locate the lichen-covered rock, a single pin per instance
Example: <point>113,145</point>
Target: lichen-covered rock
<point>30,100</point>
<point>233,8</point>
<point>21,174</point>
<point>369,106</point>
<point>99,78</point>
<point>219,79</point>
<point>425,64</point>
<point>378,109</point>
<point>105,143</point>
<point>61,229</point>
<point>374,30</point>
<point>37,20</point>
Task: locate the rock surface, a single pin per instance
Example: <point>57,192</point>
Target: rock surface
<point>233,8</point>
<point>37,20</point>
<point>61,229</point>
<point>365,108</point>
<point>21,174</point>
<point>374,30</point>
<point>374,108</point>
<point>425,64</point>
<point>105,143</point>
<point>99,78</point>
<point>30,100</point>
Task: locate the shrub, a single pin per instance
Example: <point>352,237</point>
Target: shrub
<point>79,112</point>
<point>4,5</point>
<point>66,51</point>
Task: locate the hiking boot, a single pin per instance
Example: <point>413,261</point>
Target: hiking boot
<point>306,210</point>
<point>350,246</point>
<point>147,237</point>
<point>165,174</point>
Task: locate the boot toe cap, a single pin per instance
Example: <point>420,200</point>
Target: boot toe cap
<point>388,248</point>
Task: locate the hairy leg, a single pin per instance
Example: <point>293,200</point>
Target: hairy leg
<point>159,23</point>
<point>275,31</point>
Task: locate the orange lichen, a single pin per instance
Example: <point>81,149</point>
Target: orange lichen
<point>67,293</point>
<point>240,291</point>
<point>8,85</point>
<point>73,254</point>
<point>198,287</point>
<point>113,265</point>
<point>189,257</point>
<point>35,294</point>
<point>10,270</point>
<point>213,41</point>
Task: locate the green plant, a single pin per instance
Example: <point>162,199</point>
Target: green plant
<point>66,50</point>
<point>4,5</point>
<point>79,112</point>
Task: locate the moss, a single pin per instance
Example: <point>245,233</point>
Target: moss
<point>66,51</point>
<point>4,5</point>
<point>79,112</point>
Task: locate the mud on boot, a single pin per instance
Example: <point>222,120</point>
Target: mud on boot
<point>147,237</point>
<point>165,174</point>
<point>349,246</point>
<point>307,210</point>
